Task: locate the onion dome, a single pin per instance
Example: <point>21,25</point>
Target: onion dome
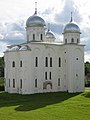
<point>50,34</point>
<point>35,20</point>
<point>71,27</point>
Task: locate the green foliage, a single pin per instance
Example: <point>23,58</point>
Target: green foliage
<point>49,106</point>
<point>87,68</point>
<point>1,84</point>
<point>1,81</point>
<point>1,66</point>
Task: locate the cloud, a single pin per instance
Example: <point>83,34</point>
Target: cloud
<point>1,54</point>
<point>57,28</point>
<point>3,46</point>
<point>13,15</point>
<point>87,56</point>
<point>1,36</point>
<point>65,15</point>
<point>13,32</point>
<point>16,26</point>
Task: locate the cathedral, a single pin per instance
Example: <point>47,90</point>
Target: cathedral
<point>43,65</point>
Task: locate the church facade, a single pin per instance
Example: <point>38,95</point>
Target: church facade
<point>43,65</point>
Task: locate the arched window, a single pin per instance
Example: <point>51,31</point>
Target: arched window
<point>58,81</point>
<point>36,62</point>
<point>13,64</point>
<point>21,83</point>
<point>33,36</point>
<point>72,40</point>
<point>77,40</point>
<point>36,83</point>
<point>20,63</point>
<point>59,64</point>
<point>41,36</point>
<point>46,61</point>
<point>50,76</point>
<point>65,40</point>
<point>50,61</point>
<point>13,83</point>
<point>45,75</point>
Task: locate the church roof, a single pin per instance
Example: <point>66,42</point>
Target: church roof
<point>35,21</point>
<point>71,27</point>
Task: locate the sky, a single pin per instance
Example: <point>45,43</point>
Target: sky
<point>14,13</point>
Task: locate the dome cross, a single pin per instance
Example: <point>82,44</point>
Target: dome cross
<point>71,17</point>
<point>35,8</point>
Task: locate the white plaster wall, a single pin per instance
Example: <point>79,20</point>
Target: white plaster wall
<point>37,31</point>
<point>28,72</point>
<point>69,36</point>
<point>75,67</point>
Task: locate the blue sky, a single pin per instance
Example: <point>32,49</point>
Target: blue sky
<point>14,13</point>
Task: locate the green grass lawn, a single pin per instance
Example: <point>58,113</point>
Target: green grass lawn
<point>50,106</point>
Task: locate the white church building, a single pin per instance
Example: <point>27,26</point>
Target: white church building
<point>44,65</point>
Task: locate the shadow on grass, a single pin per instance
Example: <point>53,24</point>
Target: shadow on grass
<point>32,102</point>
<point>86,93</point>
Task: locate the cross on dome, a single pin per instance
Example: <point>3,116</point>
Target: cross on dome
<point>35,8</point>
<point>71,17</point>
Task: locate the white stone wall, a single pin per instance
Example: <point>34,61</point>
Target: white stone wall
<point>69,37</point>
<point>71,72</point>
<point>37,31</point>
<point>75,68</point>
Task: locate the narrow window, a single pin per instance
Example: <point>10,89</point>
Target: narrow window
<point>65,40</point>
<point>36,83</point>
<point>13,83</point>
<point>59,62</point>
<point>21,83</point>
<point>46,61</point>
<point>50,61</point>
<point>33,36</point>
<point>36,62</point>
<point>45,75</point>
<point>50,77</point>
<point>77,40</point>
<point>13,64</point>
<point>72,40</point>
<point>20,63</point>
<point>41,37</point>
<point>58,81</point>
<point>9,82</point>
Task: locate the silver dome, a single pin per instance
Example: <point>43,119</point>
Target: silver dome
<point>71,27</point>
<point>35,21</point>
<point>50,34</point>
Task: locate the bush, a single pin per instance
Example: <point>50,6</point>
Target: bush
<point>2,88</point>
<point>1,84</point>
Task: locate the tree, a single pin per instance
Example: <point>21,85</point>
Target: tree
<point>1,66</point>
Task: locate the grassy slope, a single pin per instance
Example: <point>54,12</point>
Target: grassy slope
<point>50,106</point>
